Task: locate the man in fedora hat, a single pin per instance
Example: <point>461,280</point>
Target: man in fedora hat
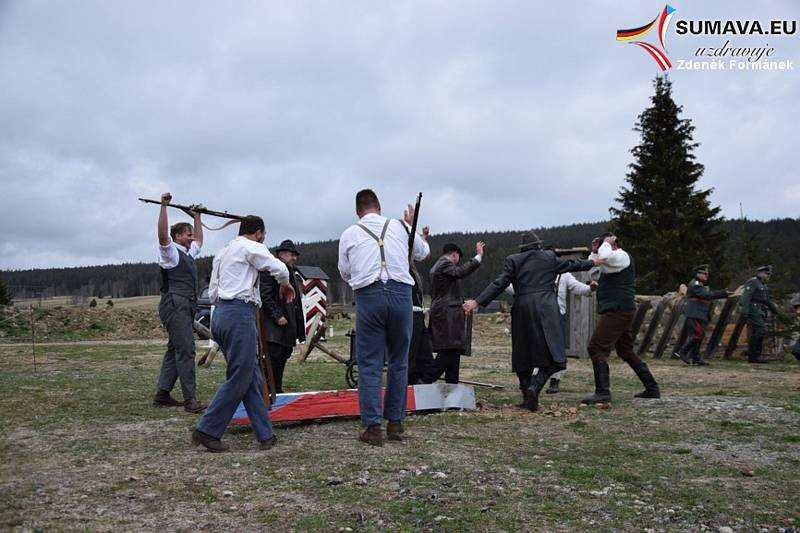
<point>283,321</point>
<point>537,336</point>
<point>755,304</point>
<point>698,314</point>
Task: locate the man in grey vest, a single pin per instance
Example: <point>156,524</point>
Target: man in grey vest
<point>178,248</point>
<point>616,305</point>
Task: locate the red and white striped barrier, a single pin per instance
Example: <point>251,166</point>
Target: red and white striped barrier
<point>294,406</point>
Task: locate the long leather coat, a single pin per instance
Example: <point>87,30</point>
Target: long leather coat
<point>274,307</point>
<point>537,335</point>
<point>447,322</point>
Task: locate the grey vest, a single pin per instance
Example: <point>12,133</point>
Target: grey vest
<point>182,279</point>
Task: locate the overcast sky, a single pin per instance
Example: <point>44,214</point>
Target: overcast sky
<point>506,115</point>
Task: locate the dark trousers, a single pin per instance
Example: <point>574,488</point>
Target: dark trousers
<point>695,331</point>
<point>614,331</point>
<point>756,331</point>
<point>420,355</point>
<point>177,314</point>
<point>278,355</point>
<point>447,362</point>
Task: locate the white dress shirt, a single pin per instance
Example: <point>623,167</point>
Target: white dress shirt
<point>616,261</point>
<point>168,255</point>
<point>360,256</point>
<point>568,283</point>
<point>234,275</point>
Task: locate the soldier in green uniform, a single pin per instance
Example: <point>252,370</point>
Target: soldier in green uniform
<point>698,310</point>
<point>755,303</point>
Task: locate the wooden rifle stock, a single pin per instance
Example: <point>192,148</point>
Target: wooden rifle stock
<point>202,210</point>
<point>268,391</point>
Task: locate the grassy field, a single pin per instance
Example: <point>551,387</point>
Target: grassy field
<point>83,449</point>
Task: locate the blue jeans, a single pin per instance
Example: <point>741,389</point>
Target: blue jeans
<point>383,326</point>
<point>233,326</point>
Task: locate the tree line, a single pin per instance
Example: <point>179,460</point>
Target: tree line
<point>748,244</point>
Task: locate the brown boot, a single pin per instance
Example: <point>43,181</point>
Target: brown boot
<point>208,442</point>
<point>267,444</point>
<point>394,430</point>
<point>165,399</point>
<point>193,406</point>
<point>373,435</point>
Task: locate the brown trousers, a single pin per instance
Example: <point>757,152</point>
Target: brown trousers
<point>614,330</point>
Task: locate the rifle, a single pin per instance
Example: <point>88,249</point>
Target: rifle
<point>413,232</point>
<point>201,210</point>
<point>268,391</point>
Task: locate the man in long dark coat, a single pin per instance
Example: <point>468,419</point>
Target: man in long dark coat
<point>284,322</point>
<point>447,322</point>
<point>536,331</point>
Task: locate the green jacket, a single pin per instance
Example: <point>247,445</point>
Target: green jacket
<point>755,301</point>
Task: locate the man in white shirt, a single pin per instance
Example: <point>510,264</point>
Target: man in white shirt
<point>616,304</point>
<point>374,260</point>
<point>178,248</point>
<point>566,284</point>
<point>234,291</point>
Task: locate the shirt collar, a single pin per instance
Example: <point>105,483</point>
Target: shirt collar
<point>370,216</point>
<point>181,247</point>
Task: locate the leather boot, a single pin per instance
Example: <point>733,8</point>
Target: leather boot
<point>394,430</point>
<point>208,442</point>
<point>165,399</point>
<point>602,383</point>
<point>553,388</point>
<point>524,383</point>
<point>193,406</point>
<point>373,435</point>
<point>537,384</point>
<point>646,377</point>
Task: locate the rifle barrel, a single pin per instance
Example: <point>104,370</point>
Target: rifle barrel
<point>413,232</point>
<point>202,210</point>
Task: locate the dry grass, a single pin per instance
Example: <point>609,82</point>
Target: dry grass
<point>83,449</point>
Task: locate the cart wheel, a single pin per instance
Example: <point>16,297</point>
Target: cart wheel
<point>351,374</point>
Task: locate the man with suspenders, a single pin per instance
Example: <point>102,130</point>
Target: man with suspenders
<point>373,260</point>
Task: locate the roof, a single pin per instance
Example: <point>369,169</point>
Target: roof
<point>312,272</point>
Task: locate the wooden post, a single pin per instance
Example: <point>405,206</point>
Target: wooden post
<point>733,342</point>
<point>719,327</point>
<point>677,310</point>
<point>638,319</point>
<point>652,327</point>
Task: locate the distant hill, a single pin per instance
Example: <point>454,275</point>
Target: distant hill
<point>750,243</point>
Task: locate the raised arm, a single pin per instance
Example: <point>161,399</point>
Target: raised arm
<point>163,221</point>
<point>704,293</point>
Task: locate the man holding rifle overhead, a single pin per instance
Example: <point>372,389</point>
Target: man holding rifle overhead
<point>234,290</point>
<point>178,248</point>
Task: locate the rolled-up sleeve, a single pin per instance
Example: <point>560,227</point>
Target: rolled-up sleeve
<point>260,257</point>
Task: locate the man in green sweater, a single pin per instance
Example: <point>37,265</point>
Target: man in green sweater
<point>616,306</point>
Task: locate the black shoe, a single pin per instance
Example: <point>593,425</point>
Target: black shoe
<point>193,406</point>
<point>553,388</point>
<point>602,384</point>
<point>758,361</point>
<point>165,399</point>
<point>679,355</point>
<point>208,442</point>
<point>699,362</point>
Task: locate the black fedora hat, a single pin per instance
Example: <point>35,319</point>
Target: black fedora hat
<point>530,240</point>
<point>287,246</point>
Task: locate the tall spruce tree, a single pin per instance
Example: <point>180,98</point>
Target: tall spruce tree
<point>663,219</point>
